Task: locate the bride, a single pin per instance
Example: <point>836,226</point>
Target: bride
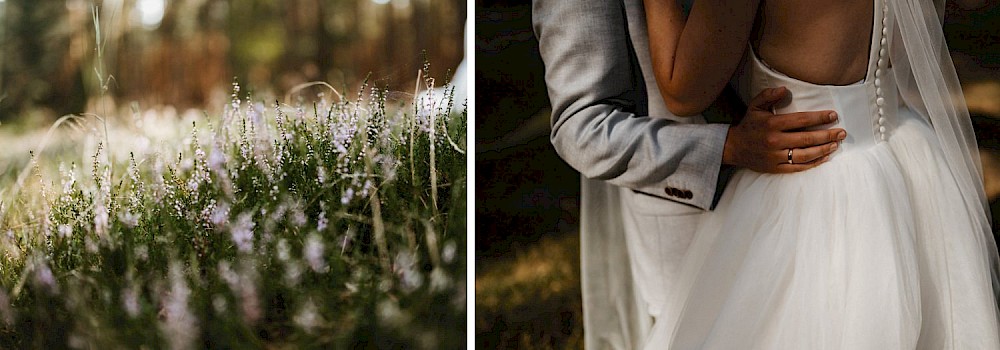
<point>887,245</point>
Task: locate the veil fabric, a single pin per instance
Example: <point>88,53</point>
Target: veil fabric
<point>929,85</point>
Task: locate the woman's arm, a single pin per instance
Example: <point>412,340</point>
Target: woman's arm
<point>694,59</point>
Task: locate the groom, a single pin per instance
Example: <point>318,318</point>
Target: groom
<point>647,175</point>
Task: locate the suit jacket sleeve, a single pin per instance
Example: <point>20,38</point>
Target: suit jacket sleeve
<point>599,102</point>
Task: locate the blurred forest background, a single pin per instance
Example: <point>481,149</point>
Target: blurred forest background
<point>186,53</point>
<point>527,247</point>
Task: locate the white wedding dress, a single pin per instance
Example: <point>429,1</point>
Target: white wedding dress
<point>877,249</point>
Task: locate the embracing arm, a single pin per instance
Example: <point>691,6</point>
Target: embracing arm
<point>694,59</point>
<point>600,123</point>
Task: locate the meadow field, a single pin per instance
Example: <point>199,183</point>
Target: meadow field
<point>326,219</point>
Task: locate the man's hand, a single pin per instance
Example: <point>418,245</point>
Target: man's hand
<point>760,142</point>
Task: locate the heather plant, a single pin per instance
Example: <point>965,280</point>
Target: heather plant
<point>336,223</point>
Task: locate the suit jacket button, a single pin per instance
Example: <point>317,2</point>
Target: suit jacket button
<point>688,194</point>
<point>671,191</point>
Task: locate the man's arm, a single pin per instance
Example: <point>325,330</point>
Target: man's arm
<point>598,127</point>
<point>594,84</point>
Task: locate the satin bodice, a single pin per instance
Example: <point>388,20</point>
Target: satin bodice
<point>867,110</point>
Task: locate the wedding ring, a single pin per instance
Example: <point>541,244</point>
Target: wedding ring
<point>790,156</point>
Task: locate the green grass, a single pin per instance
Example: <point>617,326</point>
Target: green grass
<point>531,299</point>
<point>334,224</point>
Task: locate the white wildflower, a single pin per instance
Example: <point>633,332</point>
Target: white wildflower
<point>43,277</point>
<point>283,252</point>
<point>299,218</point>
<point>220,214</point>
<point>130,301</point>
<point>76,341</point>
<point>90,244</point>
<point>257,113</point>
<point>281,119</point>
<point>141,252</point>
<point>321,175</point>
<point>216,162</point>
<point>101,219</point>
<point>199,153</point>
<point>293,273</point>
<point>179,324</point>
<point>242,232</point>
<point>128,219</point>
<point>390,313</point>
<point>236,97</point>
<point>322,221</point>
<point>405,266</point>
<point>347,196</point>
<point>343,131</point>
<point>69,178</point>
<point>439,280</point>
<point>449,251</point>
<point>308,317</point>
<point>219,304</point>
<point>243,285</point>
<point>228,275</point>
<point>312,252</point>
<point>364,189</point>
<point>389,165</point>
<point>65,230</point>
<point>216,159</point>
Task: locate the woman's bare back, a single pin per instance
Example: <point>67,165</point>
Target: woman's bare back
<point>821,42</point>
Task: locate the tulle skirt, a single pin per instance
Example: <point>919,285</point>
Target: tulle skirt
<point>872,250</point>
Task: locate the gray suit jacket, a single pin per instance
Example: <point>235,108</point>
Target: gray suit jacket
<point>608,119</point>
<point>637,159</point>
